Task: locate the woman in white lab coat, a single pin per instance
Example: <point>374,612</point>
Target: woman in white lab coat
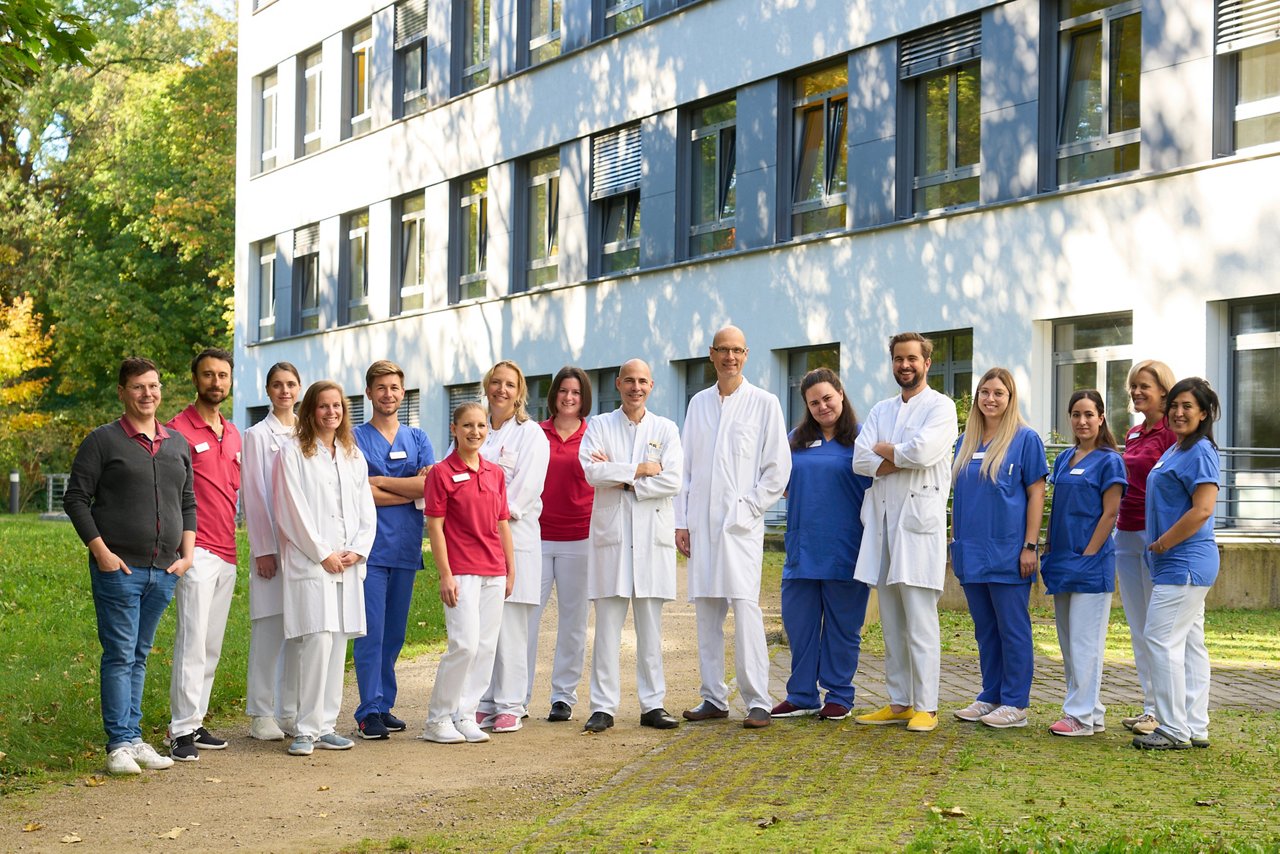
<point>519,446</point>
<point>272,696</point>
<point>326,520</point>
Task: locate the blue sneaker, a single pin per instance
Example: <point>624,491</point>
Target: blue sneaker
<point>333,741</point>
<point>301,746</point>
<point>372,727</point>
<point>392,722</point>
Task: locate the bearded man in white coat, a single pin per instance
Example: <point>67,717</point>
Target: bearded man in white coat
<point>633,459</point>
<point>905,445</point>
<point>736,466</point>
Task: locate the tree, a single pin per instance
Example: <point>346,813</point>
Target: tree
<point>34,35</point>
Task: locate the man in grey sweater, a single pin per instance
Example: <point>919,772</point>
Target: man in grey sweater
<point>131,499</point>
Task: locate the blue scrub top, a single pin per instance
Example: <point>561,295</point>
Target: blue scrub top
<point>1170,485</point>
<point>1077,507</point>
<point>398,542</point>
<point>989,519</point>
<point>824,513</point>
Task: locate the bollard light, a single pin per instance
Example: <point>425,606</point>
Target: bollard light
<point>15,490</point>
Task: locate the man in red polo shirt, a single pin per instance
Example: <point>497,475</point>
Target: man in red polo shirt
<point>203,595</point>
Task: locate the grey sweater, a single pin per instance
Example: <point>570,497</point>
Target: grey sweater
<point>138,503</point>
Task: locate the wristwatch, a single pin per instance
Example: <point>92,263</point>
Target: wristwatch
<point>1029,546</point>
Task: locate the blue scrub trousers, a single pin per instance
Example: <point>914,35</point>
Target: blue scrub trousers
<point>823,621</point>
<point>387,594</point>
<point>1002,627</point>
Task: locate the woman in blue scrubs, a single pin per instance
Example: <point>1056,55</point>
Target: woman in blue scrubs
<point>822,606</point>
<point>1181,492</point>
<point>999,473</point>
<point>1079,566</point>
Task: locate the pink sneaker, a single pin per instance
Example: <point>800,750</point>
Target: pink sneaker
<point>506,723</point>
<point>1069,726</point>
<point>484,720</point>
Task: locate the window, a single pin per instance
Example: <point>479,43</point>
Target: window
<point>475,43</point>
<point>267,123</point>
<point>1253,478</point>
<point>411,54</point>
<point>267,290</point>
<point>544,30</point>
<point>357,267</point>
<point>257,413</point>
<point>458,395</point>
<point>1249,45</point>
<point>311,65</point>
<point>355,409</point>
<point>951,368</point>
<point>620,15</point>
<point>410,412</point>
<point>1100,58</point>
<point>1093,352</point>
<point>306,276</point>
<point>413,252</point>
<point>799,363</point>
<point>615,191</point>
<point>714,178</point>
<point>945,82</point>
<point>604,394</point>
<point>544,221</point>
<point>698,374</point>
<point>361,80</point>
<point>473,238</point>
<point>820,155</point>
<point>537,406</point>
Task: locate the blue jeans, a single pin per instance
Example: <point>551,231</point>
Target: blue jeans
<point>129,608</point>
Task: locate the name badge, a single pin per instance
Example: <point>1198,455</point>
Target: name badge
<point>979,455</point>
<point>816,443</point>
<point>1135,434</point>
<point>237,458</point>
<point>202,447</point>
<point>1077,471</point>
<point>397,455</point>
<point>459,478</point>
<point>1157,465</point>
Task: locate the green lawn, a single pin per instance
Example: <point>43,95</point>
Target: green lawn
<point>49,653</point>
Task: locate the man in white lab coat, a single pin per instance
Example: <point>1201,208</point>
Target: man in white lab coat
<point>633,459</point>
<point>736,466</point>
<point>905,444</point>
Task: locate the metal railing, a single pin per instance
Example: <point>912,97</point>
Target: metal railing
<point>1249,501</point>
<point>54,487</point>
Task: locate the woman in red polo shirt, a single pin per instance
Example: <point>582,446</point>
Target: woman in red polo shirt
<point>466,510</point>
<point>566,523</point>
<point>1149,384</point>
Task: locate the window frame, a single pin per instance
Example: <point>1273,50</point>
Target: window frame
<point>356,308</point>
<point>616,17</point>
<point>833,155</point>
<point>266,276</point>
<point>472,248</point>
<point>536,263</point>
<point>361,56</point>
<point>604,390</point>
<point>689,385</point>
<point>312,140</point>
<point>725,133</point>
<point>543,46</point>
<point>411,38</point>
<point>474,69</point>
<point>617,164</point>
<point>949,370</point>
<point>268,120</point>
<point>458,394</point>
<point>307,270</point>
<point>413,218</point>
<point>1102,357</point>
<point>794,403</point>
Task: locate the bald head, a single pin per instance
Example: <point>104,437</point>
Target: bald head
<point>635,366</point>
<point>729,336</point>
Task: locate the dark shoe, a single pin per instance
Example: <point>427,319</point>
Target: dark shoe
<point>756,719</point>
<point>372,727</point>
<point>206,740</point>
<point>833,711</point>
<point>788,709</point>
<point>659,719</point>
<point>560,712</point>
<point>598,722</point>
<point>391,722</point>
<point>1159,739</point>
<point>705,711</point>
<point>184,749</point>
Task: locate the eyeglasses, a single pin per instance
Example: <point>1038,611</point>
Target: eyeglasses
<point>730,351</point>
<point>139,388</point>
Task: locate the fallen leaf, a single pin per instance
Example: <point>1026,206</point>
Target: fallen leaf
<point>173,834</point>
<point>768,822</point>
<point>212,780</point>
<point>95,781</point>
<point>2,755</point>
<point>954,812</point>
<point>1206,802</point>
<point>32,826</point>
<point>323,789</point>
<point>71,837</point>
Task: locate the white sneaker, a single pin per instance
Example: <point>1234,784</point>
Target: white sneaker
<point>471,731</point>
<point>974,711</point>
<point>265,728</point>
<point>146,757</point>
<point>288,726</point>
<point>1004,717</point>
<point>120,761</point>
<point>443,732</point>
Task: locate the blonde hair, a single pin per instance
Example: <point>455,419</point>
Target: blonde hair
<point>522,388</point>
<point>305,429</point>
<point>1162,373</point>
<point>1009,425</point>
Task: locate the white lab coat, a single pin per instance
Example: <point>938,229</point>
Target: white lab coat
<point>911,505</point>
<point>262,442</point>
<point>736,466</point>
<point>522,452</point>
<point>322,506</point>
<point>632,550</point>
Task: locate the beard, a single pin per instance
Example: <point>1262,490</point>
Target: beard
<point>212,396</point>
<point>906,383</point>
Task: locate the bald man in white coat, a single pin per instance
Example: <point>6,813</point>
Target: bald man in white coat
<point>736,466</point>
<point>633,459</point>
<point>905,445</point>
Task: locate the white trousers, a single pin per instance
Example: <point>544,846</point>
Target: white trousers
<point>564,564</point>
<point>606,686</point>
<point>472,626</point>
<point>1082,636</point>
<point>1134,581</point>
<point>273,670</point>
<point>202,600</point>
<point>751,651</point>
<point>1179,659</point>
<point>322,658</point>
<point>509,680</point>
<point>912,640</point>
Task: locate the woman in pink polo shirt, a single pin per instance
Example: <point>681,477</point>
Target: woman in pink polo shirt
<point>466,510</point>
<point>1149,384</point>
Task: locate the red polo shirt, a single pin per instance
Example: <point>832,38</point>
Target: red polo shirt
<point>1142,448</point>
<point>150,445</point>
<point>566,495</point>
<point>215,465</point>
<point>471,504</point>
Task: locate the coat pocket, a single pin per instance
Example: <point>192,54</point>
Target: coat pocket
<point>664,533</point>
<point>606,529</point>
<point>924,511</point>
<point>743,521</point>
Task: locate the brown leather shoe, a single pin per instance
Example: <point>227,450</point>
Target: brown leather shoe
<point>757,718</point>
<point>705,711</point>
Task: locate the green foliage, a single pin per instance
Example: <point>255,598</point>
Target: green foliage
<point>35,34</point>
